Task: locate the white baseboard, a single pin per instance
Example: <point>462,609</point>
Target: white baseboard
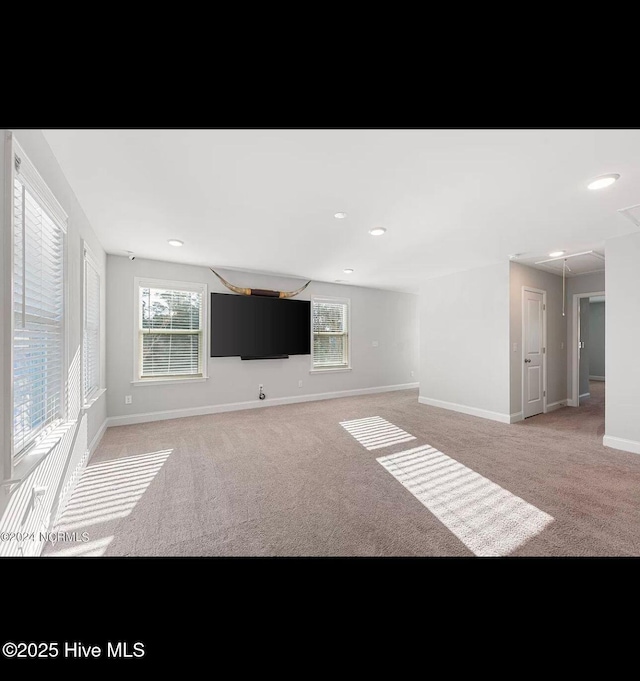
<point>464,409</point>
<point>93,445</point>
<point>632,446</point>
<point>596,378</point>
<point>584,395</point>
<point>132,419</point>
<point>552,406</point>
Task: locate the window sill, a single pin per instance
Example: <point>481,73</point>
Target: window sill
<point>169,381</point>
<point>94,398</point>
<point>37,454</point>
<point>329,370</point>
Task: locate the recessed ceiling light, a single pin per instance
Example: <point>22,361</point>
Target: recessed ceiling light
<point>377,231</point>
<point>348,270</point>
<point>603,181</point>
<point>340,216</point>
<point>556,254</point>
<point>176,242</point>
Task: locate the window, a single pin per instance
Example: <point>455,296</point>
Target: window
<point>39,226</point>
<point>91,327</point>
<point>330,333</point>
<point>171,320</point>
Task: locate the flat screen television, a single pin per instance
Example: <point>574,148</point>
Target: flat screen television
<point>254,327</point>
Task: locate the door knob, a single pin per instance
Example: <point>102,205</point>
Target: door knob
<point>526,361</point>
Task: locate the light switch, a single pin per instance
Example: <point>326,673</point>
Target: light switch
<point>561,345</point>
<point>515,347</point>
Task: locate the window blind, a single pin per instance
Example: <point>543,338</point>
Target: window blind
<point>171,338</point>
<point>91,340</point>
<point>38,307</point>
<point>330,334</point>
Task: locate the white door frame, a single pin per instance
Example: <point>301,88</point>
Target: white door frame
<point>575,360</point>
<point>544,346</point>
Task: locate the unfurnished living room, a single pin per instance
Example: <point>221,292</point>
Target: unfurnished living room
<point>320,342</point>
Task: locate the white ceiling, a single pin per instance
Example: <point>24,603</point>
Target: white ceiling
<point>264,200</point>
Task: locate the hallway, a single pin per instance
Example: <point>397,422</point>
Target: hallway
<point>587,419</point>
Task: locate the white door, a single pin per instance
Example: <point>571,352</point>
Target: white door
<point>532,343</point>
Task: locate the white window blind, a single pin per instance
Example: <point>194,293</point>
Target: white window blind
<point>39,226</point>
<point>171,339</point>
<point>330,334</point>
<point>91,335</point>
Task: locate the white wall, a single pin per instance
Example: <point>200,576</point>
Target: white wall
<point>521,275</point>
<point>622,405</point>
<point>585,283</point>
<point>596,339</point>
<point>17,510</point>
<point>464,342</point>
<point>384,316</point>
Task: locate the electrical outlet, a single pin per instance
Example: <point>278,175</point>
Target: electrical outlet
<point>38,492</point>
<point>128,399</point>
<point>299,384</point>
<point>561,345</point>
<point>260,388</point>
<point>413,373</point>
<point>515,347</point>
<point>374,344</point>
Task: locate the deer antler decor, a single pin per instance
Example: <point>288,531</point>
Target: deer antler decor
<point>260,291</point>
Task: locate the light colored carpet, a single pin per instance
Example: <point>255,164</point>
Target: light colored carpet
<point>376,433</point>
<point>291,481</point>
<point>486,518</point>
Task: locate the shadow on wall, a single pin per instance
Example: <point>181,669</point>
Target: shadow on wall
<point>26,518</point>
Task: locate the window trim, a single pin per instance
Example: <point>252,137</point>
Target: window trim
<point>146,282</point>
<point>326,369</point>
<point>15,465</point>
<point>7,444</point>
<point>88,257</point>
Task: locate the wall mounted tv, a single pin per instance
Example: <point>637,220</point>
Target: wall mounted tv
<point>254,327</point>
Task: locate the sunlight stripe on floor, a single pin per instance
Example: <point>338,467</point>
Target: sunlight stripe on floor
<point>375,432</point>
<point>488,519</point>
<point>110,490</point>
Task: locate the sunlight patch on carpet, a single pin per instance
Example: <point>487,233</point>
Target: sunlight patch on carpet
<point>110,490</point>
<point>488,519</point>
<point>375,432</point>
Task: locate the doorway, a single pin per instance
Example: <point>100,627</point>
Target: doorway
<point>534,341</point>
<point>588,337</point>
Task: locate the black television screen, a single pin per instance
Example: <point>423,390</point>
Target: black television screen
<point>258,327</point>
